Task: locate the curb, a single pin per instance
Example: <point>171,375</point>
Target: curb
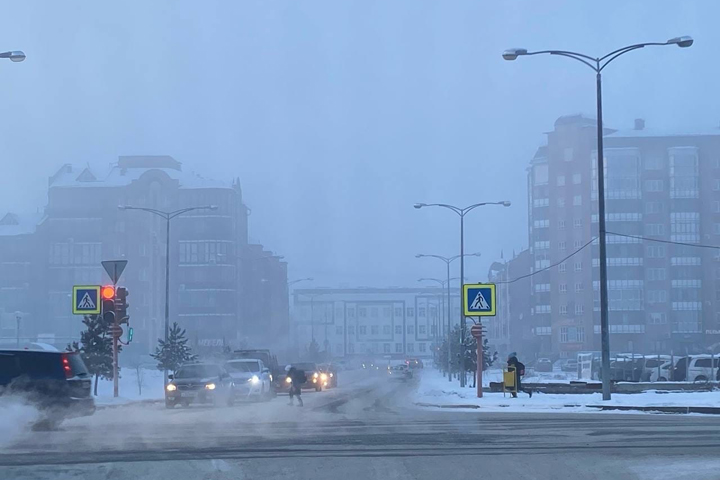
<point>134,402</point>
<point>677,410</point>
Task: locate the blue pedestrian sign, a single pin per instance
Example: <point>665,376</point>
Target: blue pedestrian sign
<point>479,300</point>
<point>86,299</point>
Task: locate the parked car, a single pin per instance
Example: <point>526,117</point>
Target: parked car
<point>630,368</point>
<point>251,378</point>
<point>570,365</point>
<point>57,383</point>
<point>415,363</point>
<point>701,368</point>
<point>652,362</point>
<point>663,375</point>
<point>199,383</point>
<point>543,365</point>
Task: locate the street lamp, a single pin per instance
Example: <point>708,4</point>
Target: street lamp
<point>14,56</point>
<point>167,216</point>
<point>448,261</point>
<point>598,64</point>
<point>443,284</point>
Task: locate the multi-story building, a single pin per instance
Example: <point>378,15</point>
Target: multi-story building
<point>394,322</point>
<point>662,186</point>
<point>83,225</point>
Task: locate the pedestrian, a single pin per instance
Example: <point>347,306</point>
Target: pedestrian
<point>513,361</point>
<point>297,378</point>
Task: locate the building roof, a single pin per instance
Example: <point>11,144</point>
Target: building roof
<point>576,118</point>
<point>14,224</point>
<point>129,169</point>
<point>657,132</point>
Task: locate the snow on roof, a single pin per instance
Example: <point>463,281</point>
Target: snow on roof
<point>128,170</point>
<point>656,132</point>
<point>14,224</point>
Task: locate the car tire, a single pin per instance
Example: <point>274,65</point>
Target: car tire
<point>185,404</point>
<point>701,379</point>
<point>318,388</point>
<point>662,379</point>
<point>170,405</point>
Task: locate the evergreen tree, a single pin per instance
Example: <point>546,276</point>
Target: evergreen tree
<point>470,353</point>
<point>313,351</point>
<point>95,347</point>
<point>172,354</point>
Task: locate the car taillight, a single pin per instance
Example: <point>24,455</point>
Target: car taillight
<point>66,366</point>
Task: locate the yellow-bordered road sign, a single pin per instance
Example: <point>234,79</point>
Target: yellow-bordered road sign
<point>86,300</point>
<point>479,300</point>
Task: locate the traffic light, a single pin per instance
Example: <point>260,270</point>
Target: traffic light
<point>121,305</point>
<point>130,334</point>
<point>108,304</point>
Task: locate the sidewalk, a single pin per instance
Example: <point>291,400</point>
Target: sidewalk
<point>434,391</point>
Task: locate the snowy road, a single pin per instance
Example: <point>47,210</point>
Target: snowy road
<point>366,429</point>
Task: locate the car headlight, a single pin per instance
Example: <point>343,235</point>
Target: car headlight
<point>210,386</point>
<point>170,387</point>
<point>271,379</point>
<point>323,377</point>
<point>315,374</point>
<point>254,380</point>
<point>288,380</point>
<point>331,375</point>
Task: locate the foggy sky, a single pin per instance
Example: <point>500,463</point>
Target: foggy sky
<point>339,115</point>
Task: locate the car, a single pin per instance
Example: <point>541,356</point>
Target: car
<point>414,363</point>
<point>663,375</point>
<point>569,365</point>
<point>57,383</point>
<point>701,368</point>
<point>399,373</point>
<point>543,365</point>
<point>251,378</point>
<point>331,376</point>
<point>314,378</point>
<point>205,383</point>
<point>652,362</point>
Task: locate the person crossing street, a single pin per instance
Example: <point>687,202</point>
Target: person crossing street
<point>297,378</point>
<point>513,361</point>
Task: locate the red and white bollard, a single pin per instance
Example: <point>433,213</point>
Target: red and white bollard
<point>476,331</point>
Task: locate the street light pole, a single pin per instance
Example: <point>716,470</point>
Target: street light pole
<point>598,64</point>
<point>461,212</point>
<point>167,216</point>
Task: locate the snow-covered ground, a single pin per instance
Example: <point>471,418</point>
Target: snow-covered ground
<point>434,389</point>
<point>152,387</point>
<point>557,376</point>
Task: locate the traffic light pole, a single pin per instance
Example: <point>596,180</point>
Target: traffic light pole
<point>115,357</point>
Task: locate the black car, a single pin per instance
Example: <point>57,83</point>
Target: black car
<point>57,383</point>
<point>330,377</point>
<point>199,383</point>
<point>313,375</point>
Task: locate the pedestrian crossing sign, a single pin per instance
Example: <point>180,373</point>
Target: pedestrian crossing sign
<point>479,300</point>
<point>86,300</point>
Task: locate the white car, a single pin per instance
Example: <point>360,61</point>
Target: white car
<point>251,378</point>
<point>702,368</point>
<point>663,375</point>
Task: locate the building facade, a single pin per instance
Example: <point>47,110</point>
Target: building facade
<point>370,322</point>
<point>660,187</point>
<point>82,225</point>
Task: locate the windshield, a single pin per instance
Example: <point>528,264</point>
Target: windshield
<point>243,367</point>
<point>198,371</point>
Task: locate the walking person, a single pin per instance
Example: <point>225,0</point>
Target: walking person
<point>297,378</point>
<point>513,361</point>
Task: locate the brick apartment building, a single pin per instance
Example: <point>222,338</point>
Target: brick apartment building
<point>214,272</point>
<point>659,185</point>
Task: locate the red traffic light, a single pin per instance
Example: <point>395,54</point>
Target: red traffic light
<point>108,293</point>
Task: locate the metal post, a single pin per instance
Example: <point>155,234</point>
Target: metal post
<point>167,286</point>
<point>604,324</point>
<point>115,358</point>
<point>449,324</point>
<point>462,313</point>
<point>479,373</point>
<point>17,319</point>
<point>312,319</point>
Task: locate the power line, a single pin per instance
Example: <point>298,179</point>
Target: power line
<point>698,245</point>
<point>550,266</point>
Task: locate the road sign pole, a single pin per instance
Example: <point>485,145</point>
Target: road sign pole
<point>479,379</point>
<point>115,358</point>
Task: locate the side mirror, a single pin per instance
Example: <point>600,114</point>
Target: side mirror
<point>171,377</point>
<point>265,370</point>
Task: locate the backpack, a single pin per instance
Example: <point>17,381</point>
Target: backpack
<point>521,368</point>
<point>300,376</point>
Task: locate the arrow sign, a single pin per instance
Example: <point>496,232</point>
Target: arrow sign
<point>114,269</point>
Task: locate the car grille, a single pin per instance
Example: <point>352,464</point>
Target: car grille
<point>189,386</point>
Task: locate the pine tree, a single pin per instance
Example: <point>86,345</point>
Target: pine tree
<point>95,346</point>
<point>172,354</point>
<point>313,351</point>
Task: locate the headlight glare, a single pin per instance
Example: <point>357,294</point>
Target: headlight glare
<point>210,386</point>
<point>170,387</point>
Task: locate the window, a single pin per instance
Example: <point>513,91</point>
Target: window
<point>386,348</point>
<point>362,329</point>
<point>656,274</point>
<point>654,207</point>
<point>716,185</point>
<point>421,347</point>
<point>374,329</point>
<point>684,178</point>
<point>410,347</point>
<point>542,245</point>
<point>398,312</point>
<point>541,223</point>
<point>656,296</point>
<point>579,309</point>
<point>577,222</point>
<point>572,334</point>
<point>421,312</point>
<point>543,331</point>
<point>577,178</point>
<point>351,330</point>
<point>338,330</point>
<point>654,185</point>
<point>657,318</point>
<point>398,329</point>
<point>421,329</point>
<point>561,267</point>
<point>351,313</point>
<point>577,200</point>
<point>568,154</point>
<point>563,288</point>
<point>654,163</point>
<point>561,201</point>
<point>541,202</point>
<point>685,227</point>
<point>561,224</point>
<point>578,266</point>
<point>398,348</point>
<point>374,312</point>
<point>411,329</point>
<point>387,312</point>
<point>563,309</point>
<point>351,348</point>
<point>541,174</point>
<point>654,229</point>
<point>542,309</point>
<point>562,245</point>
<point>542,287</point>
<point>387,329</point>
<point>410,312</point>
<point>577,244</point>
<point>655,251</point>
<point>560,180</point>
<point>579,287</point>
<point>362,311</point>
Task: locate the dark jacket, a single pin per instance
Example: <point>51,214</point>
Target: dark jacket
<point>519,366</point>
<point>297,376</point>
